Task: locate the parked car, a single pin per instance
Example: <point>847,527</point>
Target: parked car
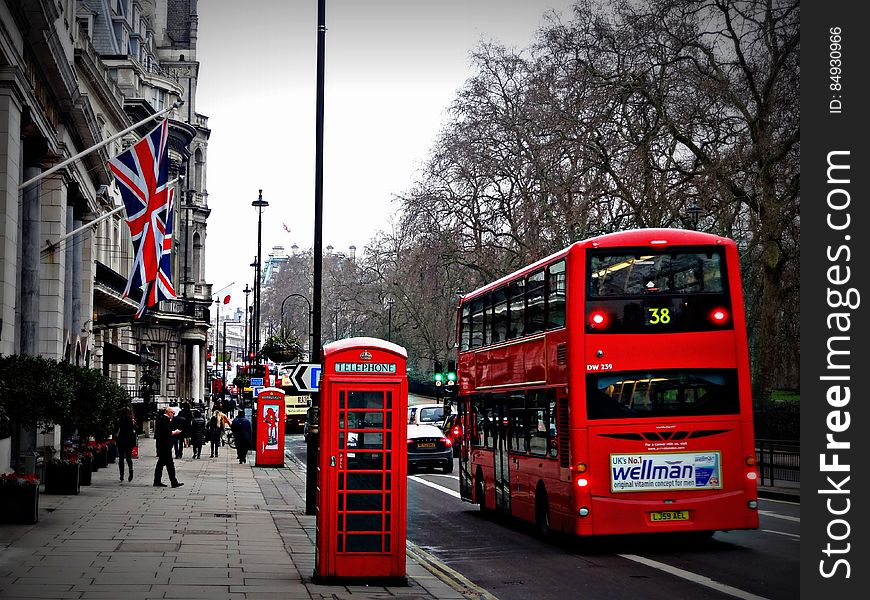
<point>428,447</point>
<point>453,431</point>
<point>431,414</point>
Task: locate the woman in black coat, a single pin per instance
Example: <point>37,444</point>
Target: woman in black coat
<point>197,433</point>
<point>125,440</point>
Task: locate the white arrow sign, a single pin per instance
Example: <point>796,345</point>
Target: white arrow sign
<point>306,377</point>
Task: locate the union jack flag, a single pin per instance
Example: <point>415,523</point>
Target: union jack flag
<point>141,172</point>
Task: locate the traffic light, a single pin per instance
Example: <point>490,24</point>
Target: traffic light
<point>438,377</point>
<point>451,372</point>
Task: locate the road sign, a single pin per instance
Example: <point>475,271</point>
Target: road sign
<point>306,377</point>
<point>255,381</point>
<point>257,389</point>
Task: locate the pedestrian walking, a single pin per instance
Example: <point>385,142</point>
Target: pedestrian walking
<point>197,433</point>
<point>164,434</point>
<point>126,439</point>
<point>180,423</point>
<point>231,413</point>
<point>186,414</point>
<point>241,428</point>
<point>214,431</point>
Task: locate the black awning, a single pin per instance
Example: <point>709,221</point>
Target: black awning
<point>115,355</point>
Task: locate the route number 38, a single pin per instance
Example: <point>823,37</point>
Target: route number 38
<point>659,316</point>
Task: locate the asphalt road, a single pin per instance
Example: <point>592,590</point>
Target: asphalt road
<point>506,558</point>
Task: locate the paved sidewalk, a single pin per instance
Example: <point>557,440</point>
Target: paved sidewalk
<point>233,531</point>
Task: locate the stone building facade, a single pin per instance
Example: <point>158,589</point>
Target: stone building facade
<point>73,74</point>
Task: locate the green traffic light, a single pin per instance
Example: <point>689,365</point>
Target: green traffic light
<point>451,376</point>
<point>439,378</point>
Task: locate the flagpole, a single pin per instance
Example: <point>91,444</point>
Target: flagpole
<point>98,145</point>
<point>50,247</point>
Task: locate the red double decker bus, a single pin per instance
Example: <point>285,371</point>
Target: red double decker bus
<point>605,389</point>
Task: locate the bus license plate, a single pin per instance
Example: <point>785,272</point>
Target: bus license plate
<point>669,515</point>
<point>426,445</point>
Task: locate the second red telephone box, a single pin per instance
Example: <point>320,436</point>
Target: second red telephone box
<point>362,490</point>
<point>269,423</point>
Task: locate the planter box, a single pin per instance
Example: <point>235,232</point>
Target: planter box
<point>86,471</point>
<point>101,459</point>
<point>19,504</point>
<point>62,478</point>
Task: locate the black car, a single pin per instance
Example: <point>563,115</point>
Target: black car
<point>429,447</point>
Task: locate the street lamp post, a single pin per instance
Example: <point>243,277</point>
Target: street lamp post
<point>259,204</point>
<point>695,213</point>
<point>247,291</point>
<point>390,301</point>
<point>308,303</point>
<point>313,443</point>
<point>224,369</point>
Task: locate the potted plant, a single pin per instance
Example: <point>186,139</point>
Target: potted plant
<point>34,393</point>
<point>101,454</point>
<point>111,451</point>
<point>283,347</point>
<point>62,474</point>
<point>19,498</point>
<point>86,458</point>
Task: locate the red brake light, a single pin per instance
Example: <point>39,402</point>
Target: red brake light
<point>456,431</point>
<point>599,319</point>
<point>719,316</point>
<point>447,441</point>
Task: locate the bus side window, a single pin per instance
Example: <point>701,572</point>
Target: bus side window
<point>500,323</point>
<point>488,414</point>
<point>478,322</point>
<point>538,422</point>
<point>517,309</point>
<point>518,426</point>
<point>535,303</point>
<point>552,429</point>
<point>465,329</point>
<point>556,288</point>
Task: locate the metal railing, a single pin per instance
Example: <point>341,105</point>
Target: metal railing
<point>778,461</point>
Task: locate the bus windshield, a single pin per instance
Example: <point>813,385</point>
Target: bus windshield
<point>647,291</point>
<point>666,393</point>
<point>631,274</point>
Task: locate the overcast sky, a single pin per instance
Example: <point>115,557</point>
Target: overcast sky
<point>392,69</point>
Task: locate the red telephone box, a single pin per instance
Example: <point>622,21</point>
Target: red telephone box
<point>362,489</point>
<point>269,438</point>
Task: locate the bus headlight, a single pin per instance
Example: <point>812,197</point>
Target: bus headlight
<point>752,504</point>
<point>583,512</point>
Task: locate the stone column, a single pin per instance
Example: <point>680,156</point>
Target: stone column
<point>76,322</point>
<point>30,226</point>
<point>52,268</point>
<point>10,167</point>
<point>195,382</point>
<point>67,282</point>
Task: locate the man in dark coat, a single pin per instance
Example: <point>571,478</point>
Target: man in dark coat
<point>241,428</point>
<point>163,437</point>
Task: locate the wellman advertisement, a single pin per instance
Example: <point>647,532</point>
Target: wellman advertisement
<point>672,471</point>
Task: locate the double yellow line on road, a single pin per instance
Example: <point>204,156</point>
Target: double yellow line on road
<point>454,579</point>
